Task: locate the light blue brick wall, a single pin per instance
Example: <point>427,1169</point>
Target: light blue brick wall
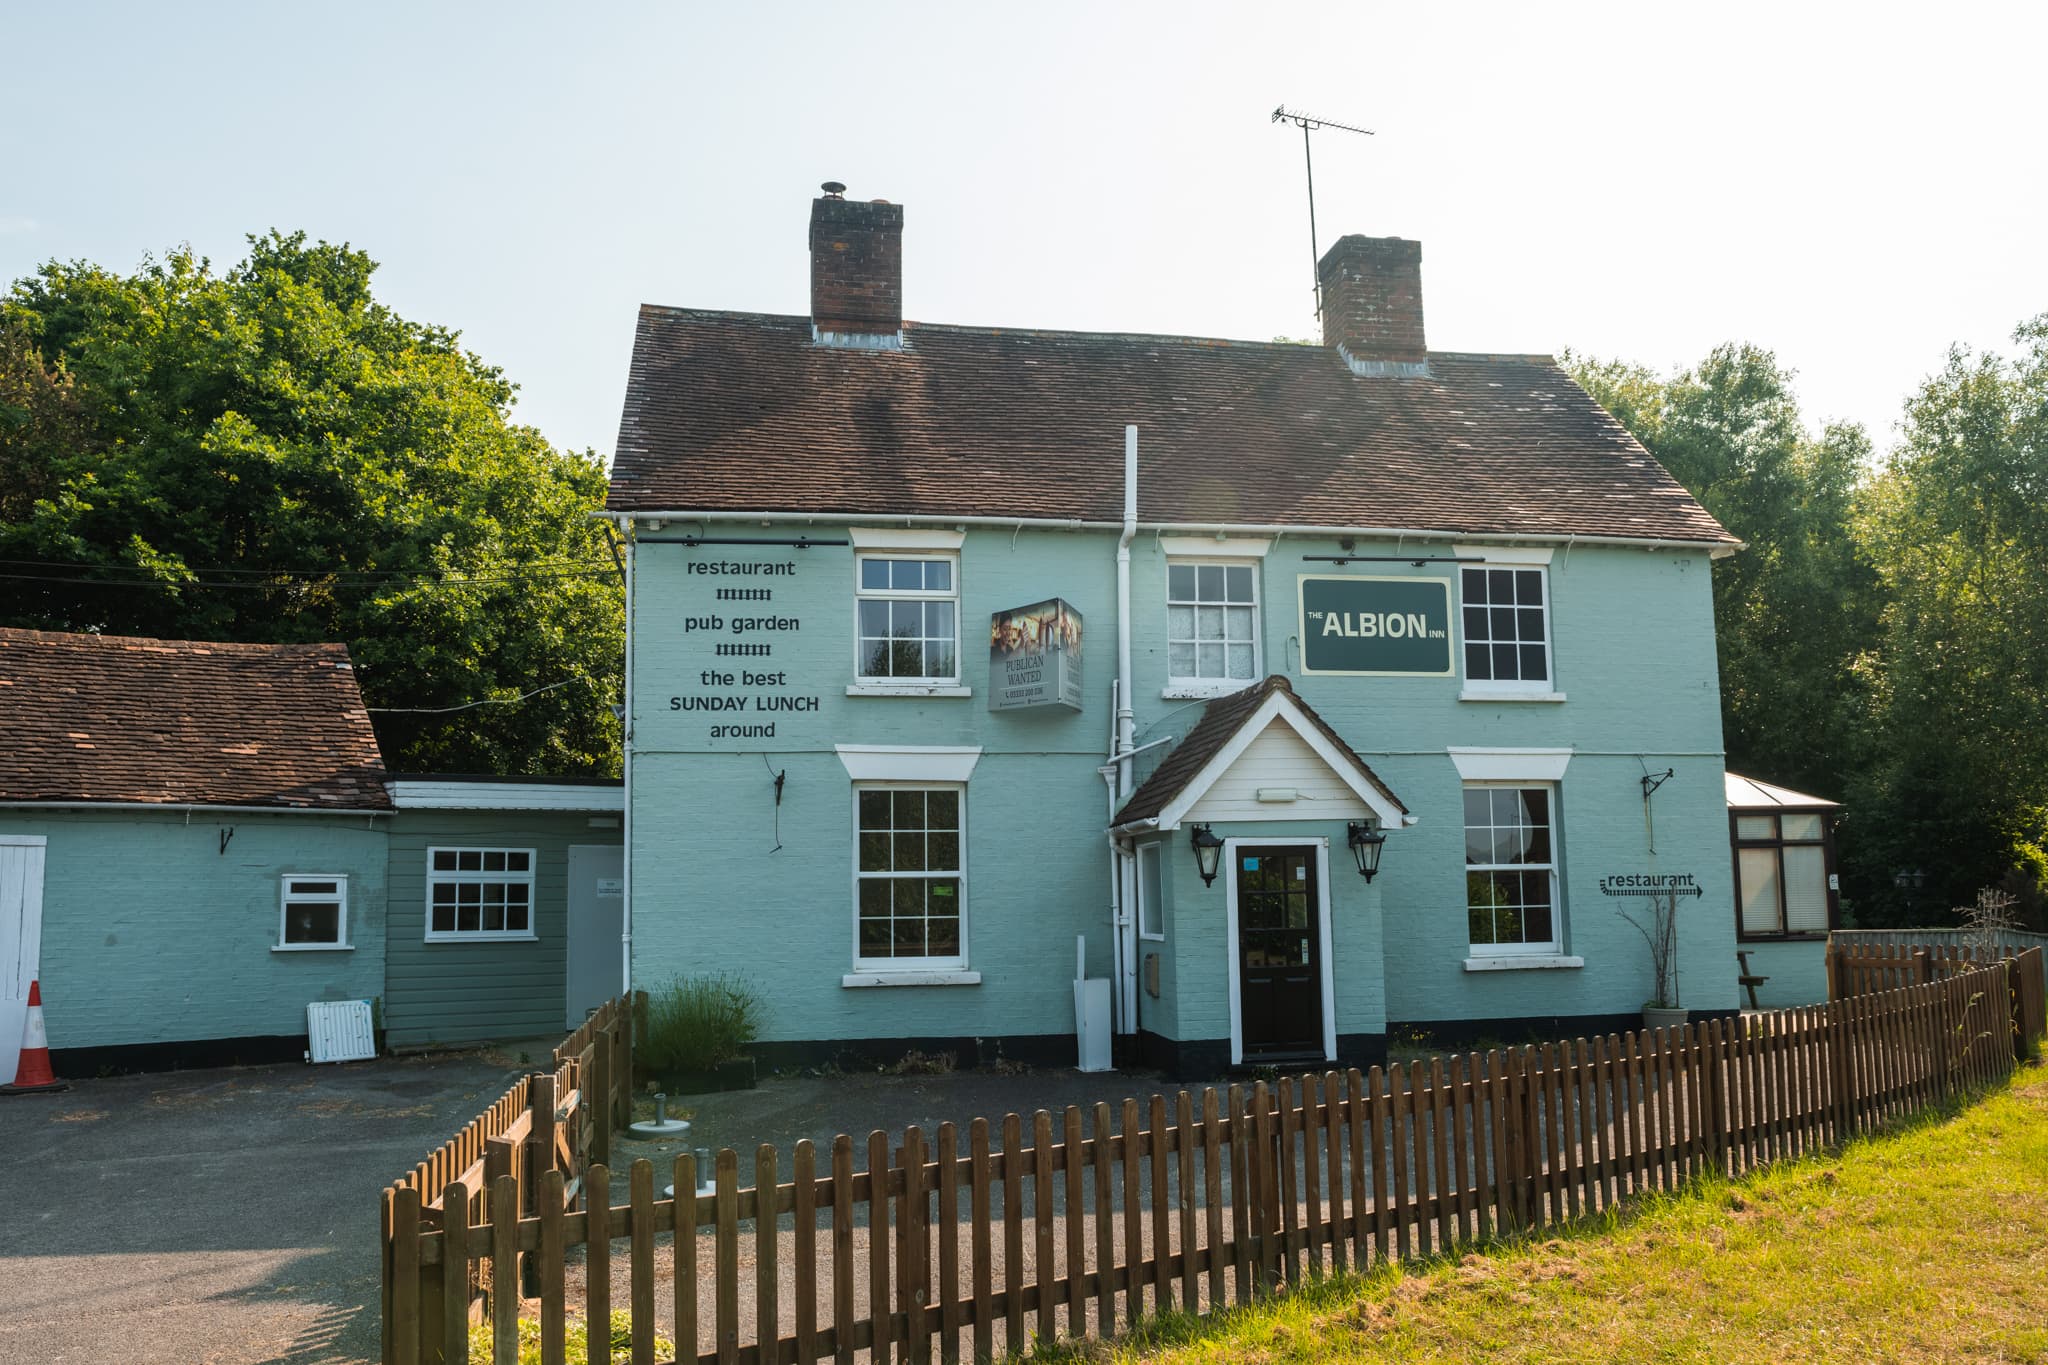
<point>1798,973</point>
<point>151,933</point>
<point>717,885</point>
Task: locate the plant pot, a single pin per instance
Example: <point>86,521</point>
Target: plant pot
<point>737,1074</point>
<point>1665,1016</point>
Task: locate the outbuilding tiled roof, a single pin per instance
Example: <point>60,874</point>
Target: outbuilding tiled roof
<point>743,412</point>
<point>88,718</point>
<point>1221,719</point>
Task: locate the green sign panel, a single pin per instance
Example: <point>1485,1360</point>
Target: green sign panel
<point>1399,627</point>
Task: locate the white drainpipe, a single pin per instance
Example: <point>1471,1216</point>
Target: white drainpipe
<point>626,745</point>
<point>1126,928</point>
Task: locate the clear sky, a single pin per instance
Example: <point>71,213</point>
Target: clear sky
<point>1854,187</point>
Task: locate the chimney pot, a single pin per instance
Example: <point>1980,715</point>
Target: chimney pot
<point>856,272</point>
<point>1372,305</point>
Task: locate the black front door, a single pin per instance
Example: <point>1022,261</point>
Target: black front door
<point>1279,953</point>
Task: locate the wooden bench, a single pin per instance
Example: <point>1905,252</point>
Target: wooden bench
<point>1750,980</point>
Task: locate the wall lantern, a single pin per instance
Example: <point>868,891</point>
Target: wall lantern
<point>1208,853</point>
<point>1366,839</point>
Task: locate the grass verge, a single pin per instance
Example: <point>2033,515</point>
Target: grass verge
<point>1928,1242</point>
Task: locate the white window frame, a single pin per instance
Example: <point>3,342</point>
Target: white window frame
<point>873,685</point>
<point>1151,909</point>
<point>287,898</point>
<point>1193,685</point>
<point>1544,688</point>
<point>1551,948</point>
<point>531,878</point>
<point>952,970</point>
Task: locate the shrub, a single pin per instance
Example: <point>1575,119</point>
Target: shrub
<point>576,1342</point>
<point>695,1023</point>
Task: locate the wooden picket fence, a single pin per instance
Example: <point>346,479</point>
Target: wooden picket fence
<point>969,1244</point>
<point>555,1122</point>
<point>1860,966</point>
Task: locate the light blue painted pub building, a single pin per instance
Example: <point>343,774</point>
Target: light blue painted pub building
<point>1313,692</point>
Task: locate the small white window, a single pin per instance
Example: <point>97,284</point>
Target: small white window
<point>480,893</point>
<point>1510,870</point>
<point>1151,920</point>
<point>1507,629</point>
<point>907,609</point>
<point>314,912</point>
<point>1212,622</point>
<point>909,884</point>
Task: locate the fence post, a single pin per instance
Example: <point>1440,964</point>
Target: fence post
<point>1834,972</point>
<point>597,1098</point>
<point>540,1159</point>
<point>2015,1007</point>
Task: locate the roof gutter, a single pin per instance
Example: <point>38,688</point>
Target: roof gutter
<point>193,807</point>
<point>1718,549</point>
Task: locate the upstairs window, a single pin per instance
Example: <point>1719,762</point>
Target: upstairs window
<point>315,912</point>
<point>1212,623</point>
<point>908,610</point>
<point>480,893</point>
<point>1781,865</point>
<point>1507,629</point>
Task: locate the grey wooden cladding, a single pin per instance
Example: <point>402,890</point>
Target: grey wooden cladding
<point>1189,1201</point>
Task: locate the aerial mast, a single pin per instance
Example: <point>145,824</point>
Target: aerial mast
<point>1308,123</point>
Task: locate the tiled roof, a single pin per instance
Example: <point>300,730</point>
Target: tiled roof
<point>1749,793</point>
<point>1221,719</point>
<point>107,718</point>
<point>743,412</point>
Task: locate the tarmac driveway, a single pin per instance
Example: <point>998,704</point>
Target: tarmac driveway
<point>225,1217</point>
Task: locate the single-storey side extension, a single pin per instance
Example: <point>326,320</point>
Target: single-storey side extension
<point>206,823</point>
<point>199,840</point>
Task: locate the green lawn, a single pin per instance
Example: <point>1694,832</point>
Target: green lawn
<point>1929,1243</point>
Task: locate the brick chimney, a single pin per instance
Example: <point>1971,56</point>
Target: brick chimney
<point>1372,305</point>
<point>856,272</point>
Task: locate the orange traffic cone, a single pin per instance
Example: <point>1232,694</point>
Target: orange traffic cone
<point>34,1074</point>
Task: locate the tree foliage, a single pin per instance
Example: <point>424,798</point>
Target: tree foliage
<point>1884,636</point>
<point>269,454</point>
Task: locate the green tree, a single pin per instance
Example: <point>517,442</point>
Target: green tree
<point>271,454</point>
<point>1795,609</point>
<point>1956,528</point>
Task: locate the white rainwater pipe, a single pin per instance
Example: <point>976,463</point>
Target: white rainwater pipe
<point>1124,935</point>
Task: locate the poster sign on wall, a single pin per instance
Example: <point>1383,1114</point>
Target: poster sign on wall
<point>1034,657</point>
<point>1394,627</point>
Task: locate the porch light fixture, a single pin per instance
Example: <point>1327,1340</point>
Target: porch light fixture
<point>1366,839</point>
<point>1208,853</point>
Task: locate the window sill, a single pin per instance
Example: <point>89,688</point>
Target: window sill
<point>483,938</point>
<point>863,980</point>
<point>908,690</point>
<point>1817,937</point>
<point>312,947</point>
<point>1522,962</point>
<point>1202,691</point>
<point>1469,695</point>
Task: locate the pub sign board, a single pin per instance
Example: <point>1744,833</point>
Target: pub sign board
<point>1362,624</point>
<point>1034,657</point>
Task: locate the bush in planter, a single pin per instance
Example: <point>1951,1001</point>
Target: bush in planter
<point>695,1024</point>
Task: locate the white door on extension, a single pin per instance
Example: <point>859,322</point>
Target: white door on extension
<point>21,939</point>
<point>597,921</point>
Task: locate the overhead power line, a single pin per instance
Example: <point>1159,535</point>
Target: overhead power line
<point>468,705</point>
